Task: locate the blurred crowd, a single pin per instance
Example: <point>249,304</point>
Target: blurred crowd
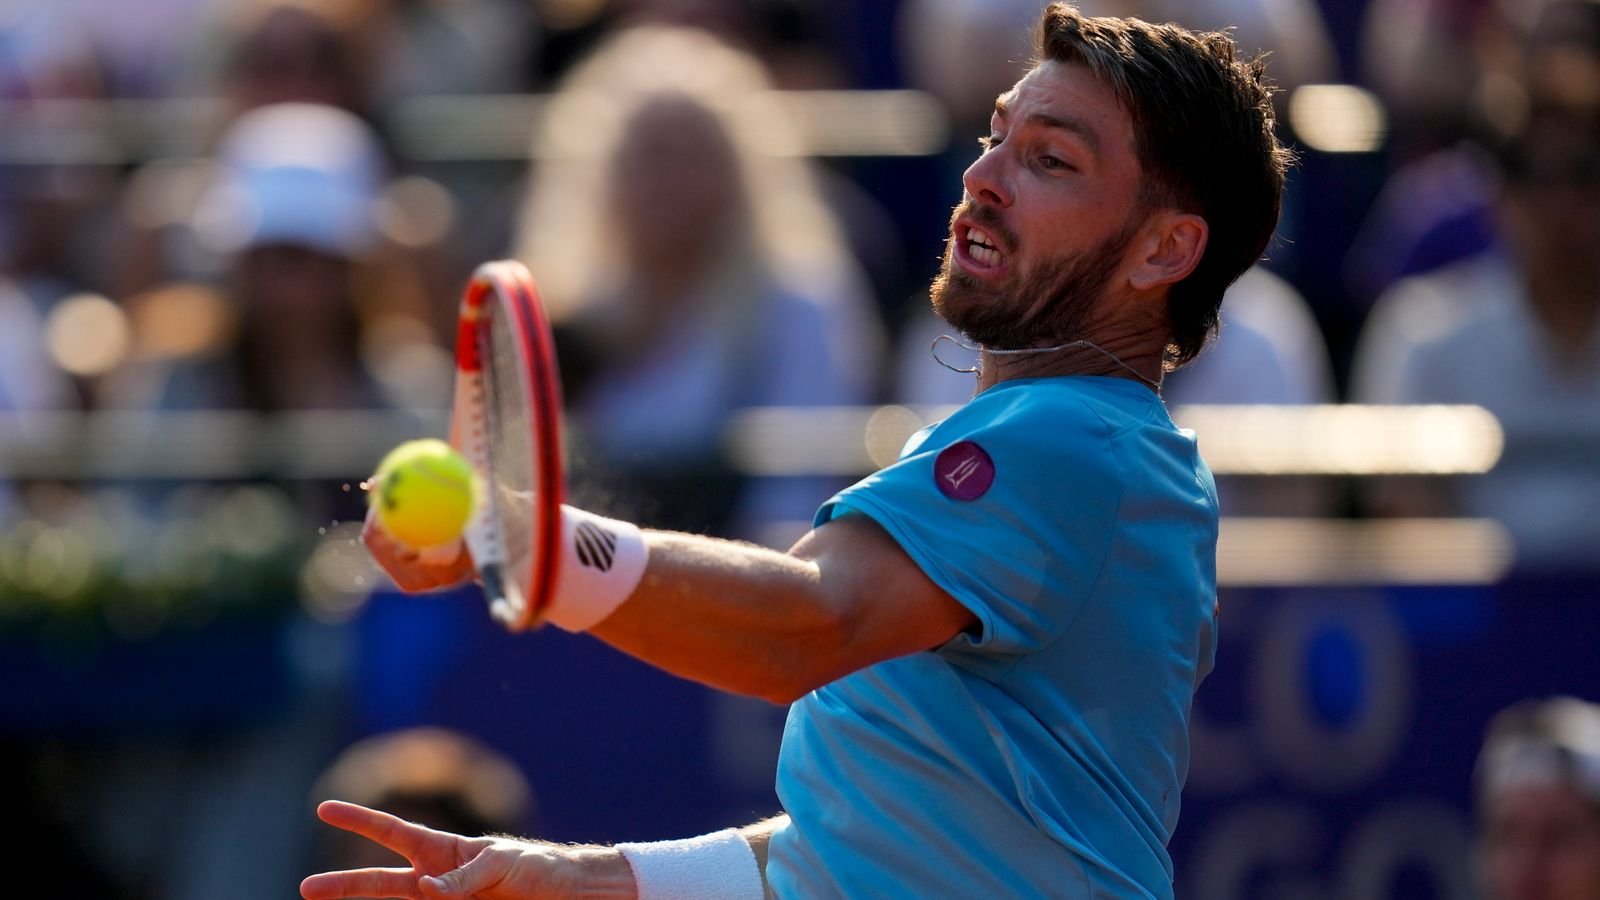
<point>269,206</point>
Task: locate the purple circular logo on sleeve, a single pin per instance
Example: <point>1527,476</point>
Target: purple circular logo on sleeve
<point>963,471</point>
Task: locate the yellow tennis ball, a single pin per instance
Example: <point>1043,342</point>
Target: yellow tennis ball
<point>424,492</point>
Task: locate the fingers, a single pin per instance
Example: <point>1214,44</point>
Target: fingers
<point>395,558</point>
<point>361,883</point>
<point>484,871</point>
<point>405,838</point>
<point>413,571</point>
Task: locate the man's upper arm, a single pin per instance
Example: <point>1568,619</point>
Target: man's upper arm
<point>887,606</point>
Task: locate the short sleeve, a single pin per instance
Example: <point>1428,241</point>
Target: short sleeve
<point>1012,520</point>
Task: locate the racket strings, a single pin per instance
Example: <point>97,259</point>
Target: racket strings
<point>477,438</point>
<point>510,470</point>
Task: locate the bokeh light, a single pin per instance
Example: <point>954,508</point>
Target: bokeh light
<point>88,334</point>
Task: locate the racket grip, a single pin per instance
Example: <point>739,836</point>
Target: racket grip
<point>501,593</point>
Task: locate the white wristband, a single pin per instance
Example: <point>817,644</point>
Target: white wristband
<point>716,866</point>
<point>602,561</point>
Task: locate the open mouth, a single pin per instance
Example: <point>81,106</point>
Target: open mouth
<point>982,246</point>
<point>978,249</point>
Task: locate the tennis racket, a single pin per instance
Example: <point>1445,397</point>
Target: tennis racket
<point>506,422</point>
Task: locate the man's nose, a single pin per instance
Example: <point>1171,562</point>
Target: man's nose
<point>986,180</point>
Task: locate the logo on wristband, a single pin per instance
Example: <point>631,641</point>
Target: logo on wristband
<point>597,547</point>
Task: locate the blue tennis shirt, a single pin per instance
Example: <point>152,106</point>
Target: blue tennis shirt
<point>1044,754</point>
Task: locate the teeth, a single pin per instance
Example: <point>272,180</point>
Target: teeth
<point>980,246</point>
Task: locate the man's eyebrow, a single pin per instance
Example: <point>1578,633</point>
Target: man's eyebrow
<point>1071,124</point>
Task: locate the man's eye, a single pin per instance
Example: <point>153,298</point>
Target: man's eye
<point>1053,163</point>
<point>990,142</point>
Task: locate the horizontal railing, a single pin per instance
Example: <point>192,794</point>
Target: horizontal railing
<point>1235,440</point>
<point>456,128</point>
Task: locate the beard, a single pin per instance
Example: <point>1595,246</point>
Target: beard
<point>1049,305</point>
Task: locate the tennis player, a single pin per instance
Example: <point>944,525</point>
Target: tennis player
<point>992,645</point>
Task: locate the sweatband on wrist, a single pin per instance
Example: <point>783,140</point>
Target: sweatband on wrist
<point>602,561</point>
<point>716,866</point>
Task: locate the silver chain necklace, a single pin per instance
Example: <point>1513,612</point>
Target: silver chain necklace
<point>1027,351</point>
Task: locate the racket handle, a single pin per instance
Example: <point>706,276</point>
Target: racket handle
<point>501,593</point>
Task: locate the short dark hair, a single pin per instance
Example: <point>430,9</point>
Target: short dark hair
<point>1203,131</point>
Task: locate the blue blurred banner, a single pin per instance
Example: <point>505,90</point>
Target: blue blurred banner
<point>1334,745</point>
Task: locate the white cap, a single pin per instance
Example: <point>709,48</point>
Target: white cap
<point>294,173</point>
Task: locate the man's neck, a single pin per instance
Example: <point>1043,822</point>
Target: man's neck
<point>1128,354</point>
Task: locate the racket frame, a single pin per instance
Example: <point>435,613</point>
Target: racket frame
<point>509,285</point>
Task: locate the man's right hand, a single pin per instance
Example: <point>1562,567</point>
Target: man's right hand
<point>417,571</point>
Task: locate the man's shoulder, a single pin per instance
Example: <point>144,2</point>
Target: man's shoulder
<point>1053,430</point>
<point>1037,416</point>
<point>1095,403</point>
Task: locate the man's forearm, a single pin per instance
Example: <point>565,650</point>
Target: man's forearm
<point>735,616</point>
<point>776,625</point>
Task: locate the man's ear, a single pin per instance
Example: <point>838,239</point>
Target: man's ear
<point>1170,248</point>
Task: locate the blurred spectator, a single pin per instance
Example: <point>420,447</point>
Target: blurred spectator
<point>248,54</point>
<point>1518,333</point>
<point>794,42</point>
<point>294,305</point>
<point>1268,350</point>
<point>1430,213</point>
<point>1538,787</point>
<point>86,48</point>
<point>786,35</point>
<point>288,209</point>
<point>56,183</point>
<point>684,251</point>
<point>1454,75</point>
<point>431,776</point>
<point>965,53</point>
<point>1424,58</point>
<point>54,227</point>
<point>30,379</point>
<point>47,51</point>
<point>1429,63</point>
<point>310,51</point>
<point>453,47</point>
